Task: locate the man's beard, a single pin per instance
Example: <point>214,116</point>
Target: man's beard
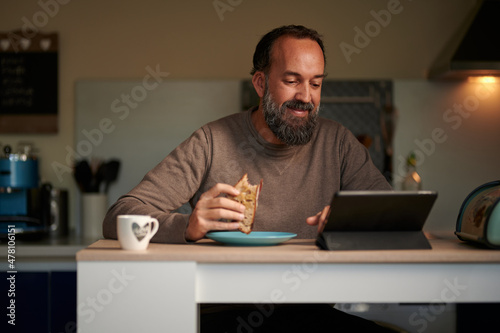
<point>289,129</point>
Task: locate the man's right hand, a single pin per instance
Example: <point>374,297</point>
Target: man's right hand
<point>210,209</point>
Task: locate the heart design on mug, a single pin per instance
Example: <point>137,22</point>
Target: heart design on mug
<point>140,232</point>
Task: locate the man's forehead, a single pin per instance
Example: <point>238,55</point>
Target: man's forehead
<point>289,51</point>
<point>297,74</point>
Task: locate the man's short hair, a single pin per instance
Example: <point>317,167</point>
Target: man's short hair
<point>262,54</point>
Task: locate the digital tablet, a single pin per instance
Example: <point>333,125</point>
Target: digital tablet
<point>380,210</point>
<point>377,220</point>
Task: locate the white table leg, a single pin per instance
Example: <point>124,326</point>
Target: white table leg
<point>133,296</point>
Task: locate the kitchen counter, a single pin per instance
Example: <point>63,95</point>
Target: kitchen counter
<point>50,247</point>
<point>44,254</point>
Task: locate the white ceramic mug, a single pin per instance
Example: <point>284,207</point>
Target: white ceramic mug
<point>135,231</point>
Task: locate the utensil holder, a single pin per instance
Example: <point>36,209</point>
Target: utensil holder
<point>93,209</point>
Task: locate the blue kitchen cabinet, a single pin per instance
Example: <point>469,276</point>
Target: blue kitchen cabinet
<point>44,302</point>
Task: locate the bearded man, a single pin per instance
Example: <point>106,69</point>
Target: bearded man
<point>302,158</point>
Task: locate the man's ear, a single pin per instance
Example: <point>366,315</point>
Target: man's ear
<point>259,83</point>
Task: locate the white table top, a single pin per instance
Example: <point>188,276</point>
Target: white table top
<point>296,250</point>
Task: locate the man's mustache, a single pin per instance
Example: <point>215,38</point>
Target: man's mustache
<point>298,105</point>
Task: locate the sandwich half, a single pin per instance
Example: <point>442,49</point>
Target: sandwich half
<point>249,197</point>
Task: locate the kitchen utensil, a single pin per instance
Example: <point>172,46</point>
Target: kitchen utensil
<point>98,177</point>
<point>83,175</point>
<point>111,173</point>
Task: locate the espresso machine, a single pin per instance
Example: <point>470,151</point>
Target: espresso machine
<point>24,202</point>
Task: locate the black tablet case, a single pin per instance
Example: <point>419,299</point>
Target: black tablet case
<point>377,220</point>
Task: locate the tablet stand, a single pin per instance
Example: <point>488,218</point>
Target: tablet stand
<point>372,240</point>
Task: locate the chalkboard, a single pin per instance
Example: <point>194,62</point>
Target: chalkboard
<point>28,83</point>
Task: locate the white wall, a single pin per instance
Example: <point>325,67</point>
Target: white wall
<point>458,150</point>
<point>140,137</point>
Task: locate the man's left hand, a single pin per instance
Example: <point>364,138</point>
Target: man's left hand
<point>319,219</point>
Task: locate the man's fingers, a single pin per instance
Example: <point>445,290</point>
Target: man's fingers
<point>313,220</point>
<point>223,225</point>
<point>217,190</point>
<point>325,213</point>
<point>211,208</point>
<point>221,213</point>
<point>220,203</point>
<point>320,218</point>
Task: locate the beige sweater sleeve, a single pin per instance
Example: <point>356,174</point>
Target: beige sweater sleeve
<point>164,189</point>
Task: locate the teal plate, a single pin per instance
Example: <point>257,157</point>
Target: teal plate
<point>255,238</point>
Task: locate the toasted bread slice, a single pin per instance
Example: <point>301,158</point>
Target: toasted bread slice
<point>249,197</point>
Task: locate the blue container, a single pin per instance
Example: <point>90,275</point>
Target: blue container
<point>14,203</point>
<point>15,173</point>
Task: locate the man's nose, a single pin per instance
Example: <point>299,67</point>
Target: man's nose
<point>304,93</point>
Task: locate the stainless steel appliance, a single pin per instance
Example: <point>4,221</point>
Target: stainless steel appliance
<point>58,224</point>
<point>24,203</point>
